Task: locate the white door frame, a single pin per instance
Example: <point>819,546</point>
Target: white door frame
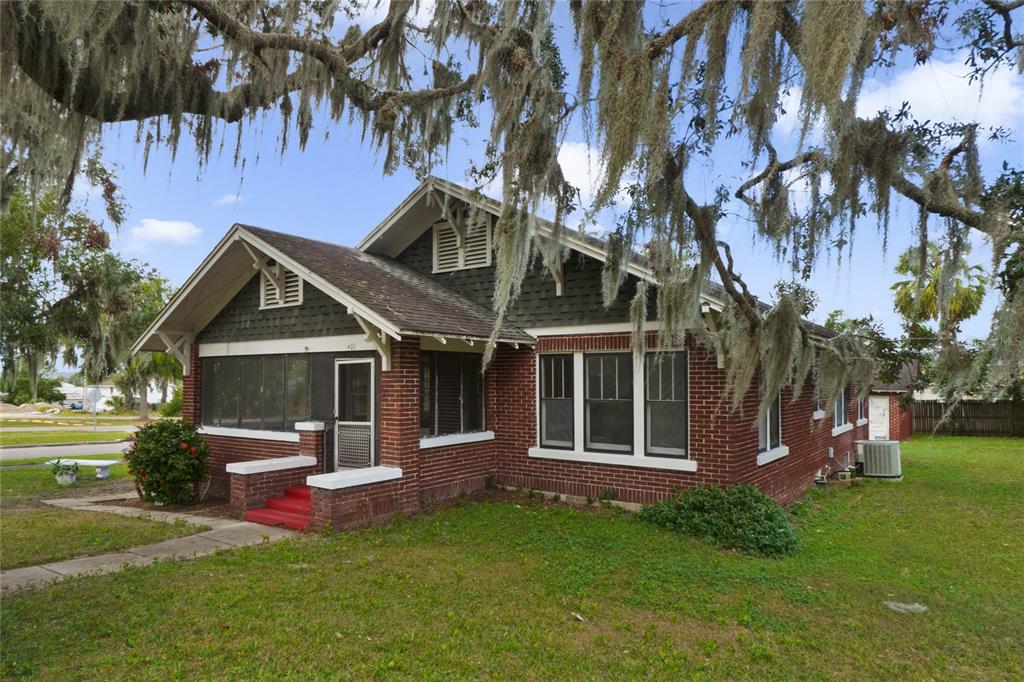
<point>372,408</point>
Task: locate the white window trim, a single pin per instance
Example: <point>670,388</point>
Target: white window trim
<point>842,428</point>
<point>862,421</point>
<point>284,274</point>
<point>254,434</point>
<point>311,344</point>
<point>262,466</point>
<point>768,436</point>
<point>772,455</point>
<point>455,439</point>
<point>624,460</point>
<point>818,414</point>
<point>635,458</point>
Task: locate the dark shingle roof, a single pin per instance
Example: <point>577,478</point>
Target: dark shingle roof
<point>413,302</point>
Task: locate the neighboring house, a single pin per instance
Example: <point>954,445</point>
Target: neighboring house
<point>357,371</point>
<point>100,394</point>
<point>890,418</point>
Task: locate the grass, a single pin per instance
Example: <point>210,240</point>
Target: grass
<point>489,590</point>
<point>34,533</point>
<point>9,439</point>
<point>56,420</point>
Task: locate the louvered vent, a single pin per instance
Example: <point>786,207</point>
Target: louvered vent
<point>474,253</point>
<point>272,297</point>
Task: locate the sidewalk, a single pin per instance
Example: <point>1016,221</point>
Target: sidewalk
<point>223,534</point>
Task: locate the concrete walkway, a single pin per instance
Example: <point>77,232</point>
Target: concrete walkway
<point>222,534</point>
<point>63,451</point>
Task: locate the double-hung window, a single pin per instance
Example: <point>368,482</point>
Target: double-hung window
<point>860,409</point>
<point>840,413</point>
<point>769,428</point>
<point>608,404</point>
<point>665,408</point>
<point>451,393</point>
<point>556,401</point>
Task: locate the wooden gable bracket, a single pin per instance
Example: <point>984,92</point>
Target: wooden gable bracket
<point>555,267</point>
<point>375,336</point>
<point>180,348</point>
<point>709,320</point>
<point>456,218</point>
<point>275,275</point>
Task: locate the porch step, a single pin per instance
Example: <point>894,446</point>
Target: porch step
<point>293,505</point>
<point>303,491</point>
<point>276,517</point>
<point>291,510</point>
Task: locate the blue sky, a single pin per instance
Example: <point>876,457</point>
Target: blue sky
<point>335,190</point>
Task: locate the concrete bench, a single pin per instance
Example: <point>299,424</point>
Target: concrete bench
<point>102,466</point>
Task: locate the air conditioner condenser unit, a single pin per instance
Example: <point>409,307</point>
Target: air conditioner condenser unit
<point>880,459</point>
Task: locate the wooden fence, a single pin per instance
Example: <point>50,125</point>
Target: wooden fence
<point>970,418</point>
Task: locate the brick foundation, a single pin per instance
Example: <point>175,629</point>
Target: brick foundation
<point>363,505</point>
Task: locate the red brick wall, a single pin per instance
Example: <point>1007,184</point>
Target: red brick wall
<point>723,441</point>
<point>711,422</point>
<point>249,491</point>
<point>808,440</point>
<point>901,419</point>
<point>225,449</point>
<point>363,505</point>
<point>192,387</point>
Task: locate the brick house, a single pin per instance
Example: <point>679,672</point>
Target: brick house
<point>342,386</point>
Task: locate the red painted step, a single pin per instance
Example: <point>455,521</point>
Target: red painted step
<point>276,517</point>
<point>303,491</point>
<point>294,505</point>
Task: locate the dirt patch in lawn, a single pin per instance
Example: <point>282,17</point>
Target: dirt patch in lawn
<point>216,507</point>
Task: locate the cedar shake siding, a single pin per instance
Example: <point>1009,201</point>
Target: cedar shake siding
<point>537,306</point>
<point>242,319</point>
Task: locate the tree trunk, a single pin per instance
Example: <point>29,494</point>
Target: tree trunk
<point>32,361</point>
<point>163,392</point>
<point>143,397</point>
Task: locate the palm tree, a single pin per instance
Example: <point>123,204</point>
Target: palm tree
<point>960,292</point>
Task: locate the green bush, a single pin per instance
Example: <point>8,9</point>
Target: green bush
<point>741,517</point>
<point>172,408</point>
<point>168,459</point>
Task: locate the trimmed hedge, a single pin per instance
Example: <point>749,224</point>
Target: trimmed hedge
<point>168,459</point>
<point>741,517</point>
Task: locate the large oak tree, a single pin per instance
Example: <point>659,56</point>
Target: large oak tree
<point>654,97</point>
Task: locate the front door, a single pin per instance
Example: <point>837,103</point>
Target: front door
<point>353,410</point>
<point>878,417</point>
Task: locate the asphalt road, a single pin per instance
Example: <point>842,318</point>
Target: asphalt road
<point>54,451</point>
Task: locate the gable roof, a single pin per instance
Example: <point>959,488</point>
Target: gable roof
<point>391,296</point>
<point>413,302</point>
<point>412,216</point>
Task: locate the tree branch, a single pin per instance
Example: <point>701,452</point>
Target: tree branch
<point>1003,9</point>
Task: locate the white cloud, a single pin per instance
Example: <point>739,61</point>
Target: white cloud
<point>940,90</point>
<point>230,199</point>
<point>151,231</point>
<point>375,11</point>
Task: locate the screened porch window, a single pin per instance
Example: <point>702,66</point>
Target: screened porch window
<point>609,402</point>
<point>263,392</point>
<point>665,409</point>
<point>556,406</point>
<point>451,393</point>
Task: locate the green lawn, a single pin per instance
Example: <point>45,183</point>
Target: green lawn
<point>10,439</point>
<point>489,590</point>
<point>34,533</point>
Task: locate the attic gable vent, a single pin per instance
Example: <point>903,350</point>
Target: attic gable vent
<point>279,288</point>
<point>453,251</point>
